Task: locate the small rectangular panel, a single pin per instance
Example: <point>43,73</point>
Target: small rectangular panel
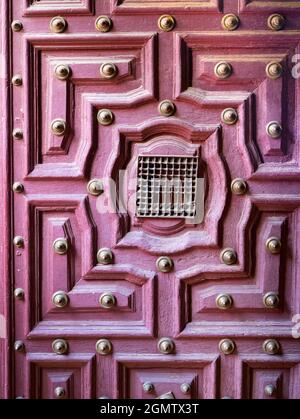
<point>143,5</point>
<point>272,5</point>
<point>48,7</point>
<point>167,186</point>
<point>49,372</point>
<point>199,372</point>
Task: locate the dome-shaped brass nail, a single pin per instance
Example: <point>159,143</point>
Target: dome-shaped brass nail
<point>105,256</point>
<point>103,24</point>
<point>60,299</point>
<point>274,129</point>
<point>185,388</point>
<point>105,117</point>
<point>270,390</point>
<point>148,387</point>
<point>62,72</point>
<point>223,70</point>
<point>274,70</point>
<point>238,186</point>
<point>166,346</point>
<point>95,187</point>
<point>16,25</point>
<point>273,245</point>
<point>166,23</point>
<point>58,24</point>
<point>60,346</point>
<point>228,256</point>
<point>107,300</point>
<point>271,300</point>
<point>227,346</point>
<point>60,392</point>
<point>18,241</point>
<point>224,301</point>
<point>19,346</point>
<point>271,346</point>
<point>19,294</point>
<point>108,70</point>
<point>103,347</point>
<point>164,264</point>
<point>60,246</point>
<point>17,80</point>
<point>229,116</point>
<point>166,108</point>
<point>230,22</point>
<point>58,127</point>
<point>18,134</point>
<point>276,22</point>
<point>18,187</point>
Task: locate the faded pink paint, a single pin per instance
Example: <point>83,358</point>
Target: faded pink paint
<point>153,66</point>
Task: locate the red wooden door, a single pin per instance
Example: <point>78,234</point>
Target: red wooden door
<point>106,289</point>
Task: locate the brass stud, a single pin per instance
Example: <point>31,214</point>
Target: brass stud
<point>271,300</point>
<point>17,80</point>
<point>95,187</point>
<point>185,388</point>
<point>274,129</point>
<point>166,23</point>
<point>273,245</point>
<point>164,264</point>
<point>224,301</point>
<point>19,294</point>
<point>60,346</point>
<point>62,72</point>
<point>16,25</point>
<point>104,347</point>
<point>58,127</point>
<point>276,22</point>
<point>60,299</point>
<point>108,70</point>
<point>228,256</point>
<point>103,24</point>
<point>230,22</point>
<point>60,392</point>
<point>229,116</point>
<point>18,241</point>
<point>271,346</point>
<point>60,246</point>
<point>58,24</point>
<point>148,387</point>
<point>238,186</point>
<point>223,70</point>
<point>17,134</point>
<point>18,187</point>
<point>166,108</point>
<point>274,70</point>
<point>105,256</point>
<point>270,390</point>
<point>107,300</point>
<point>227,346</point>
<point>19,346</point>
<point>105,117</point>
<point>166,346</point>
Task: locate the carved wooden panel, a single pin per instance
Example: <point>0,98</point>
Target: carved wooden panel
<point>233,272</point>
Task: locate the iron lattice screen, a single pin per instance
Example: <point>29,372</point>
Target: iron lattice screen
<point>166,186</point>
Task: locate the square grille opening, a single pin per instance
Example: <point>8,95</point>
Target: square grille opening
<point>166,186</point>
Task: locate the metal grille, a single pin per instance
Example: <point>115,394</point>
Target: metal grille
<point>166,186</point>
